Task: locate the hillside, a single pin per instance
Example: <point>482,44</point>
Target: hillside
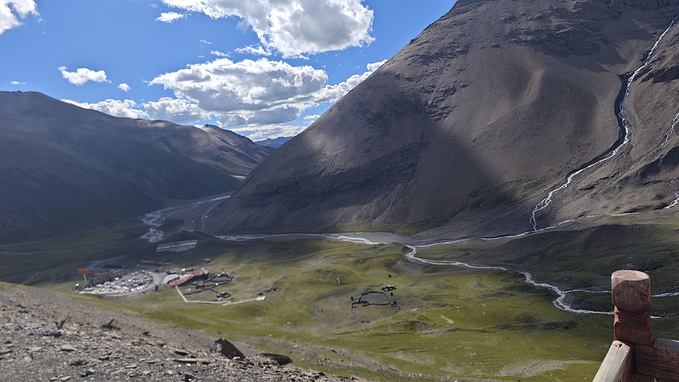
<point>65,168</point>
<point>64,339</point>
<point>473,123</point>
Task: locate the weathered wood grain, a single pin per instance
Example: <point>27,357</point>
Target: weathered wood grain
<point>631,291</point>
<point>617,366</point>
<point>660,361</point>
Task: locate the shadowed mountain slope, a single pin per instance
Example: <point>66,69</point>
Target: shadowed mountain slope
<point>63,167</point>
<point>470,125</point>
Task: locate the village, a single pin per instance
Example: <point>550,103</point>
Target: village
<point>201,285</point>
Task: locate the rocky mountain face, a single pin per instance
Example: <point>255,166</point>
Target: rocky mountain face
<point>63,167</point>
<point>472,124</point>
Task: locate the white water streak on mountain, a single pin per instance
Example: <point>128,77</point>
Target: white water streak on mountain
<point>544,203</point>
<point>672,130</point>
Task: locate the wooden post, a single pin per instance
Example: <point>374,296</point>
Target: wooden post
<point>617,366</point>
<point>632,300</point>
<point>634,356</point>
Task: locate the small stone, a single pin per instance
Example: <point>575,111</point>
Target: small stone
<point>193,360</point>
<point>6,351</point>
<point>67,348</point>
<point>65,378</point>
<point>278,358</point>
<point>87,373</point>
<point>132,366</point>
<point>227,348</point>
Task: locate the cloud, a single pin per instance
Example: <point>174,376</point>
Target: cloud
<point>258,51</point>
<point>116,108</point>
<point>83,75</point>
<point>248,91</point>
<point>294,27</point>
<point>176,110</point>
<point>12,10</point>
<point>124,87</point>
<point>332,93</point>
<point>253,93</point>
<point>206,42</point>
<point>260,133</point>
<point>16,83</point>
<point>218,53</point>
<point>375,65</point>
<point>312,117</point>
<point>170,17</point>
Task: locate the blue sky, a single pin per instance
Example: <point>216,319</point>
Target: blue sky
<point>262,68</point>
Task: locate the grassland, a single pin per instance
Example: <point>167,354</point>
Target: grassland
<point>440,323</point>
<point>446,322</point>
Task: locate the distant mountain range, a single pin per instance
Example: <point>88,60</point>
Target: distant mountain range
<point>64,168</point>
<point>274,143</point>
<point>477,124</point>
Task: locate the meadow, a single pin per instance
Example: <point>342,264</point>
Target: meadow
<point>364,310</point>
<point>442,322</point>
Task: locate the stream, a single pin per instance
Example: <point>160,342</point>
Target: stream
<point>613,151</point>
<point>155,219</point>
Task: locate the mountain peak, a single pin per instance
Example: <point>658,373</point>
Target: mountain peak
<point>470,125</point>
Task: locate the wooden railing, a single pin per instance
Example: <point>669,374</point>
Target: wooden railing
<point>634,355</point>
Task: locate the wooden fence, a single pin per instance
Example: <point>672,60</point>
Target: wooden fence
<point>634,356</point>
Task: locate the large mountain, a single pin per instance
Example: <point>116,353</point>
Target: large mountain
<point>477,119</point>
<point>63,167</point>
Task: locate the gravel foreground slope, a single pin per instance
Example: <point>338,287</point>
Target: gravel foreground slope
<point>48,337</point>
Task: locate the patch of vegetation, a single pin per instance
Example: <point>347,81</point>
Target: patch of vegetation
<point>78,362</point>
<point>450,322</point>
<point>659,106</point>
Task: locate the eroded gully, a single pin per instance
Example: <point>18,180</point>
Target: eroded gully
<point>624,134</point>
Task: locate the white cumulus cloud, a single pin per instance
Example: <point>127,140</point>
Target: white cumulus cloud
<point>125,109</point>
<point>332,93</point>
<point>83,75</point>
<point>294,27</point>
<point>12,10</point>
<point>169,17</point>
<point>248,91</point>
<point>261,94</point>
<point>176,110</point>
<point>16,83</point>
<point>124,87</point>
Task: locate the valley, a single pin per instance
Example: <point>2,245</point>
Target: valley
<point>455,217</point>
<point>447,309</point>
